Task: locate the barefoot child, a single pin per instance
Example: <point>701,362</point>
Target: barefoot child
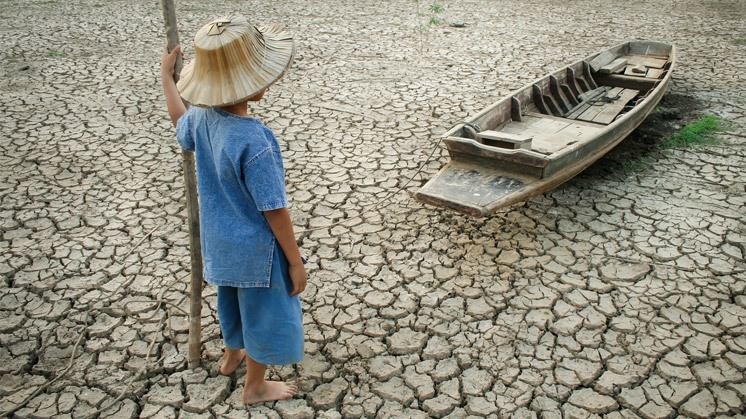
<point>248,244</point>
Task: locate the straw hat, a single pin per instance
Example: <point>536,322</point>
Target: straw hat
<point>234,60</point>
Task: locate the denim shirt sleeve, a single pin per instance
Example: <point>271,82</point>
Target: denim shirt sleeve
<point>184,132</point>
<point>264,177</point>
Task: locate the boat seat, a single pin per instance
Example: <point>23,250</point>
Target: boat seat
<point>504,140</point>
<point>550,134</point>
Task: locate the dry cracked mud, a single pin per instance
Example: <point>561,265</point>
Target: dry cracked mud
<point>618,295</point>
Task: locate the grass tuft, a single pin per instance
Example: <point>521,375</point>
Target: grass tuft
<point>700,132</point>
<point>740,41</point>
<point>637,165</point>
<point>437,8</point>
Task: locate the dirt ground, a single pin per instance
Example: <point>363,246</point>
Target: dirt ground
<point>618,295</point>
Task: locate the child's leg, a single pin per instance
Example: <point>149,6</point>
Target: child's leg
<point>272,333</point>
<point>256,389</point>
<point>229,316</point>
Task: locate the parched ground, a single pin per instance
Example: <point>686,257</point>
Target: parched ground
<point>620,294</point>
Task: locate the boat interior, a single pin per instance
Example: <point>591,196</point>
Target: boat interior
<point>545,119</point>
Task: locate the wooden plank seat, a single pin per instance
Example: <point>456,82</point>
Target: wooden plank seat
<point>615,66</point>
<point>642,84</point>
<point>550,134</point>
<point>504,140</point>
<point>647,61</point>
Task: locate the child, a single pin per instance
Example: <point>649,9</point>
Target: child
<point>248,244</point>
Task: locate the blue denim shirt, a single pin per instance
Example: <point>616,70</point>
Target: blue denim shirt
<point>239,175</point>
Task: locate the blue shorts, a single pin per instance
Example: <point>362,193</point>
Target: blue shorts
<point>266,322</point>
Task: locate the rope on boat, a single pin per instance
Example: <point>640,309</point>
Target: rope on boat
<point>471,130</point>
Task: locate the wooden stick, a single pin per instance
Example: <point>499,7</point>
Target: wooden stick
<point>172,32</point>
<point>190,184</point>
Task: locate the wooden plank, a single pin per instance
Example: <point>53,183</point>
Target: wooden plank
<point>554,108</point>
<point>628,82</point>
<point>584,86</point>
<point>573,82</point>
<point>602,59</point>
<point>588,110</point>
<point>543,130</point>
<point>610,111</point>
<point>654,73</point>
<point>538,99</point>
<point>464,147</point>
<point>467,186</point>
<point>596,108</point>
<point>651,62</point>
<point>557,95</point>
<point>615,66</point>
<point>546,132</point>
<point>535,124</point>
<point>590,113</point>
<point>569,95</point>
<point>505,139</point>
<point>588,76</point>
<point>561,119</point>
<point>515,109</point>
<point>635,70</point>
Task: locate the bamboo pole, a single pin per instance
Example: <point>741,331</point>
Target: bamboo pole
<point>190,184</point>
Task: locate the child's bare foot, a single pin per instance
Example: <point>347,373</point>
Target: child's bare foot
<point>231,360</point>
<point>268,391</point>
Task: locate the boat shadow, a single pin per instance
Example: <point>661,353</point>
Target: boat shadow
<point>642,147</point>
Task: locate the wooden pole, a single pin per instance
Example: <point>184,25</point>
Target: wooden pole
<point>190,182</point>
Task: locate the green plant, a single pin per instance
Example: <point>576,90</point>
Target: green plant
<point>637,165</point>
<point>740,41</point>
<point>699,132</point>
<point>432,17</point>
<point>54,53</point>
<point>429,18</point>
<point>435,21</point>
<point>436,8</point>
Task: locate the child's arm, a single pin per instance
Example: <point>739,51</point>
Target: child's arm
<point>282,227</point>
<point>174,104</point>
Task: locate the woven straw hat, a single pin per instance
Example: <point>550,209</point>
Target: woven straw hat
<point>234,60</point>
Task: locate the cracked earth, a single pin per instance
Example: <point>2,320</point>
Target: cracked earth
<point>618,295</point>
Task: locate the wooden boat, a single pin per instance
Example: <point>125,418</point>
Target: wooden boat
<point>549,131</point>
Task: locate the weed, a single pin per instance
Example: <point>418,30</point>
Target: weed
<point>740,41</point>
<point>637,165</point>
<point>53,53</point>
<point>426,20</point>
<point>431,17</point>
<point>699,132</point>
<point>437,8</point>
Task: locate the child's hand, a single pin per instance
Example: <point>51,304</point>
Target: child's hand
<point>299,277</point>
<point>168,60</point>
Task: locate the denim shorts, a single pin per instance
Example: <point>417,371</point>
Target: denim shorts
<point>266,322</point>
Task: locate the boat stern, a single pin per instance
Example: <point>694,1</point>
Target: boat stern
<point>470,188</point>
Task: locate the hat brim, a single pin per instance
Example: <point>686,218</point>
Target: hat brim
<point>267,62</point>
